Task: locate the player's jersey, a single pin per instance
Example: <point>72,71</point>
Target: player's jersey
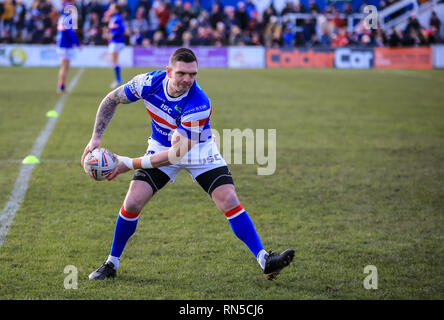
<point>189,114</point>
<point>116,27</point>
<point>66,37</point>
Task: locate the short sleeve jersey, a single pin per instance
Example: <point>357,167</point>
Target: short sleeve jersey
<point>116,27</point>
<point>66,37</point>
<point>189,113</point>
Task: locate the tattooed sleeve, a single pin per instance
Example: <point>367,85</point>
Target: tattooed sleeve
<point>107,108</point>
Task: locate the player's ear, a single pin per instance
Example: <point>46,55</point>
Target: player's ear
<point>169,71</point>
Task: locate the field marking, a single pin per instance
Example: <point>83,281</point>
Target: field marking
<point>21,183</point>
<point>41,161</point>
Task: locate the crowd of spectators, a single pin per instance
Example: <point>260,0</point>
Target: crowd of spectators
<point>182,23</point>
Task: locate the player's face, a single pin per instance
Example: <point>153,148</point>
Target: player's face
<point>112,8</point>
<point>182,76</point>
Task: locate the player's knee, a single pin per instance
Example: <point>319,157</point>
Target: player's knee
<point>134,204</point>
<point>225,198</point>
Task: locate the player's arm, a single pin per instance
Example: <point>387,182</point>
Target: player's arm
<point>104,114</point>
<point>180,145</point>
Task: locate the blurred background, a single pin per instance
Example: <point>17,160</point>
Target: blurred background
<point>278,23</point>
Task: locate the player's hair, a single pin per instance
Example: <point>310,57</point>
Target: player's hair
<point>118,7</point>
<point>184,55</point>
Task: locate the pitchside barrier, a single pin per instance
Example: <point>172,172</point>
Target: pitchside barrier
<point>233,57</point>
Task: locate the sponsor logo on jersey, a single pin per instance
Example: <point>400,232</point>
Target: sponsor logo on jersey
<point>196,109</point>
<point>166,108</point>
<point>148,80</point>
<point>131,87</point>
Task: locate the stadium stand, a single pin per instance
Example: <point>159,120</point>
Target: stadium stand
<point>304,23</point>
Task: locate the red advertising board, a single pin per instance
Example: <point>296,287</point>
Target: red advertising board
<point>398,58</point>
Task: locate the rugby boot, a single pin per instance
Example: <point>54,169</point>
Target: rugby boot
<point>106,270</point>
<point>275,262</point>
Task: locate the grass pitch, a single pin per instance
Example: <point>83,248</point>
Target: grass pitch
<point>359,181</point>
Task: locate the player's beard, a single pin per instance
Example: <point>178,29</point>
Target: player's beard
<point>181,88</point>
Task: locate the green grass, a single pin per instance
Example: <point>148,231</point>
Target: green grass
<point>359,181</point>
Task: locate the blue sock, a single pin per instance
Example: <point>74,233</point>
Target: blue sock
<point>117,73</point>
<point>125,227</point>
<point>243,228</point>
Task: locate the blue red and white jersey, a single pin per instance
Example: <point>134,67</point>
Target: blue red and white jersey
<point>189,113</point>
<point>66,36</point>
<point>116,27</point>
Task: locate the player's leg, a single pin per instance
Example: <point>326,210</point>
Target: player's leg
<point>115,60</point>
<point>144,185</point>
<point>63,73</point>
<point>138,195</point>
<point>219,184</point>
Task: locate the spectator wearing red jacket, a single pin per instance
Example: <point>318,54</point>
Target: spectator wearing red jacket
<point>163,14</point>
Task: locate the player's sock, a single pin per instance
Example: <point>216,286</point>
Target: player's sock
<point>125,227</point>
<point>262,255</point>
<point>117,73</point>
<point>62,87</point>
<point>243,228</point>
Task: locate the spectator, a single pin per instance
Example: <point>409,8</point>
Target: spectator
<point>337,20</point>
<point>298,7</point>
<point>348,9</point>
<point>146,5</point>
<point>255,39</point>
<point>187,39</point>
<point>93,31</point>
<point>153,20</point>
<point>380,38</point>
<point>7,19</point>
<point>229,18</point>
<point>241,16</point>
<point>196,9</point>
<point>139,25</point>
<point>172,22</point>
<point>288,37</point>
<point>322,26</point>
<point>158,38</point>
<point>268,13</point>
<point>273,33</point>
<point>125,11</point>
<point>308,31</point>
<point>177,9</point>
<point>395,38</point>
<point>36,23</point>
<point>237,37</point>
<point>163,14</point>
<point>19,19</point>
<point>216,15</point>
<point>313,7</point>
<point>435,26</point>
<point>219,36</point>
<point>251,9</point>
<point>187,15</point>
<point>340,39</point>
<point>289,8</point>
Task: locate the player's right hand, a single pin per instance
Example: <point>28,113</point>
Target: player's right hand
<point>93,144</point>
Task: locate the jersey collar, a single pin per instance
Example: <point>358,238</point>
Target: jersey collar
<point>165,83</point>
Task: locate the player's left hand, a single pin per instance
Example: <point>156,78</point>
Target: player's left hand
<point>120,168</point>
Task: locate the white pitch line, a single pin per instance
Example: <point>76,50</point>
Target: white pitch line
<point>41,161</point>
<point>21,183</point>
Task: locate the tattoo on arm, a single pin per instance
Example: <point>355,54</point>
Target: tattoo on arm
<point>107,108</point>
